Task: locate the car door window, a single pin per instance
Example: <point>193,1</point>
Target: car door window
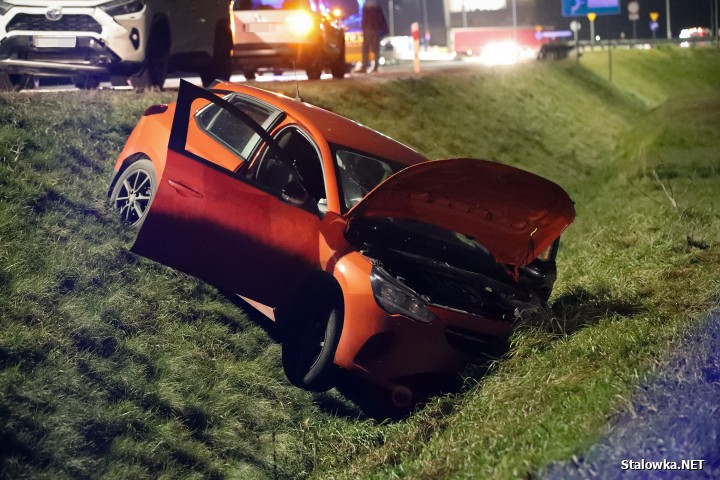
<point>301,163</point>
<point>229,130</point>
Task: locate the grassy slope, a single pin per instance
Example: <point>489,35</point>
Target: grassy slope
<point>108,367</point>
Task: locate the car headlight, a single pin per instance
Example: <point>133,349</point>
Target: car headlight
<point>301,23</point>
<point>122,7</point>
<point>394,297</point>
<point>4,7</point>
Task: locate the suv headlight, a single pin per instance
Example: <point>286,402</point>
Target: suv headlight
<point>122,7</point>
<point>4,7</point>
<point>394,297</point>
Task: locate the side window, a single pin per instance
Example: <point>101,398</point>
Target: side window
<point>358,174</point>
<point>230,131</point>
<point>301,163</point>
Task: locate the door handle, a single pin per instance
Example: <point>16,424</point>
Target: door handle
<point>184,190</point>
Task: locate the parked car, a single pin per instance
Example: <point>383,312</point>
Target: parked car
<point>369,257</point>
<point>95,40</point>
<point>283,35</point>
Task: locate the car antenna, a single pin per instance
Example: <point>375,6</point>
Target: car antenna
<point>297,85</point>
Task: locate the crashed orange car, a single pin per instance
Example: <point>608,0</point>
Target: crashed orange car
<point>370,258</point>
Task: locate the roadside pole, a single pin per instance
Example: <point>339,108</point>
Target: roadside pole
<point>592,17</point>
<point>609,47</point>
<point>415,29</point>
<point>633,9</point>
<point>654,24</point>
<point>575,27</point>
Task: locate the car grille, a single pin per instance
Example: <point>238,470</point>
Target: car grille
<point>68,23</point>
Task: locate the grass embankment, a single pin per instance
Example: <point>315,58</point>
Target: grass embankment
<point>112,365</point>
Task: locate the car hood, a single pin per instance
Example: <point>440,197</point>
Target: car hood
<point>513,213</point>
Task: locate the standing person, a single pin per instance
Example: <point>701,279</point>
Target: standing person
<point>374,27</point>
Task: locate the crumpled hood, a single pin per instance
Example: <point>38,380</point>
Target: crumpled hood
<point>513,213</point>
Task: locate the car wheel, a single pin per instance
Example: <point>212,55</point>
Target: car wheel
<point>309,345</point>
<point>339,67</point>
<point>119,81</point>
<point>221,67</point>
<point>155,68</point>
<point>314,72</point>
<point>86,82</point>
<point>17,82</point>
<point>5,83</point>
<point>134,191</point>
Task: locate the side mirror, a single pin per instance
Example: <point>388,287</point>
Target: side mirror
<point>295,193</point>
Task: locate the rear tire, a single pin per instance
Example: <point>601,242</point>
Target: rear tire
<point>309,345</point>
<point>86,82</point>
<point>339,67</point>
<point>221,67</point>
<point>314,72</point>
<point>134,191</point>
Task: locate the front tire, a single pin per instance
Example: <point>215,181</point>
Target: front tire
<point>309,346</point>
<point>134,191</point>
<point>155,68</point>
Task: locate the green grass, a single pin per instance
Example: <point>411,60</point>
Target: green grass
<point>112,366</point>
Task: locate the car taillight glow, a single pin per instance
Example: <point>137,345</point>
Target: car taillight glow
<point>301,23</point>
<point>155,110</point>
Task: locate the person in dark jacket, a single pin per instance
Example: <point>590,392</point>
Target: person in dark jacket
<point>374,27</point>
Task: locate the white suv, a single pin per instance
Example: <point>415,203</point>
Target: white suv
<point>94,40</point>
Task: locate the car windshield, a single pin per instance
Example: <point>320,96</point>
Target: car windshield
<point>359,172</point>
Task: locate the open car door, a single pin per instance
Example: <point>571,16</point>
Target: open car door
<point>220,226</point>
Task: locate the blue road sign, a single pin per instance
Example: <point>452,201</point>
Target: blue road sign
<point>580,8</point>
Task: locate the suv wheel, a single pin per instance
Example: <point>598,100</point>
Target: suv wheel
<point>339,67</point>
<point>16,82</point>
<point>155,68</point>
<point>314,72</point>
<point>86,82</point>
<point>221,67</point>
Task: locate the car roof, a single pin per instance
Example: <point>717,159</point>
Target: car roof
<point>335,128</point>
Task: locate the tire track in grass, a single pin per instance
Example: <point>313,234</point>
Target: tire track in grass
<point>676,417</point>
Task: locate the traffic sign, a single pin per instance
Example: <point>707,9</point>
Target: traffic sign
<point>580,8</point>
<point>654,16</point>
<point>592,16</point>
<point>633,9</point>
<point>654,26</point>
<point>575,26</point>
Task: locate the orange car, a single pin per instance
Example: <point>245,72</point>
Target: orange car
<point>369,257</point>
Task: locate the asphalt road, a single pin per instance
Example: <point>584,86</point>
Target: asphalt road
<point>401,69</point>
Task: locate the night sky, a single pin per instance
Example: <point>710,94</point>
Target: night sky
<point>683,14</point>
